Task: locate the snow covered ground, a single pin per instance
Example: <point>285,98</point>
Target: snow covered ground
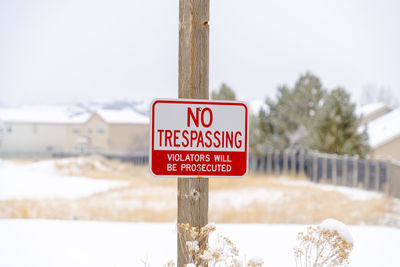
<point>46,243</point>
<point>43,180</point>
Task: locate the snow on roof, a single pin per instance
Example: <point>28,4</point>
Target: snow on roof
<point>365,110</point>
<point>41,114</point>
<point>384,128</point>
<point>122,116</point>
<point>68,114</point>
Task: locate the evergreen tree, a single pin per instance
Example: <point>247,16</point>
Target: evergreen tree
<point>260,134</point>
<point>224,93</point>
<point>289,117</point>
<point>335,127</point>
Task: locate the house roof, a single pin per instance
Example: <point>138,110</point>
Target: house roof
<point>372,111</point>
<point>41,114</point>
<point>368,109</point>
<point>68,114</point>
<point>384,128</point>
<point>124,116</point>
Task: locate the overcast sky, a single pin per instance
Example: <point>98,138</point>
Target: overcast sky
<point>60,51</point>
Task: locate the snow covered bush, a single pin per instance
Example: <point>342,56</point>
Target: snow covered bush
<point>255,262</point>
<point>218,251</point>
<point>327,244</point>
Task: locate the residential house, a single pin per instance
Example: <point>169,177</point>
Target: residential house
<point>31,132</point>
<point>384,136</point>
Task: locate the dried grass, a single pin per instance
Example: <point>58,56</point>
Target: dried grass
<point>154,200</point>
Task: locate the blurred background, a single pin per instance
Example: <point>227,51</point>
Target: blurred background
<point>321,79</point>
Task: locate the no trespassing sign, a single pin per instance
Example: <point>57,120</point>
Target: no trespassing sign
<point>198,138</point>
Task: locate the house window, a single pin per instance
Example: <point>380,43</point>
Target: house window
<point>75,129</point>
<point>100,128</point>
<point>89,130</point>
<point>35,128</point>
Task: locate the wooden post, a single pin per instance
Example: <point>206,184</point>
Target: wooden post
<point>193,84</point>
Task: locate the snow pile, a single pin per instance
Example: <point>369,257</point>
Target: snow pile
<point>242,197</point>
<point>255,261</point>
<point>351,192</point>
<point>339,227</point>
<point>79,165</point>
<point>42,180</point>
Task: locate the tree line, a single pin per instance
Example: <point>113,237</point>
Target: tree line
<point>306,115</point>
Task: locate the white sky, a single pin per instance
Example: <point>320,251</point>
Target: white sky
<point>59,51</point>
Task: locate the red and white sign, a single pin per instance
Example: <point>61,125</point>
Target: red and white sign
<point>198,138</point>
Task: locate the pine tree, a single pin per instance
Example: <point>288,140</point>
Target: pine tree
<point>335,127</point>
<point>224,93</point>
<point>288,120</point>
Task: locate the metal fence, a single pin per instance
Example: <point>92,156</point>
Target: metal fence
<point>134,159</point>
<point>344,170</point>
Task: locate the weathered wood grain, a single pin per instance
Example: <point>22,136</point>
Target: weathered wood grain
<point>193,84</point>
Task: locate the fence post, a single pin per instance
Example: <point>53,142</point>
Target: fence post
<point>334,170</point>
<point>389,173</point>
<point>345,180</point>
<point>285,161</point>
<point>396,179</point>
<point>293,161</point>
<point>301,162</point>
<point>315,167</point>
<point>325,167</point>
<point>366,178</point>
<point>262,164</point>
<point>396,183</point>
<point>251,164</point>
<point>269,161</point>
<point>355,171</point>
<point>377,175</point>
<point>277,171</point>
